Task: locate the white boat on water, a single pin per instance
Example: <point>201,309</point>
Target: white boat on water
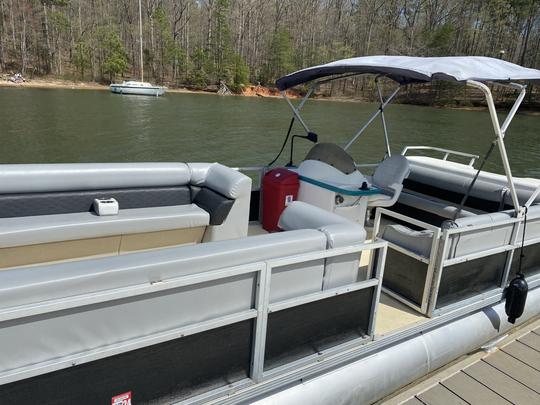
<point>137,88</point>
<point>134,87</point>
<point>155,281</point>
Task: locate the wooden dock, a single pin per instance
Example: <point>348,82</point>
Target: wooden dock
<point>509,374</point>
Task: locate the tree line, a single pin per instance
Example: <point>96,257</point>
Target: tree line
<point>204,42</point>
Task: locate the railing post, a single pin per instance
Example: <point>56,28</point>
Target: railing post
<point>379,274</point>
<point>262,298</point>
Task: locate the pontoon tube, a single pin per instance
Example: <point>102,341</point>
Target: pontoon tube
<point>373,377</point>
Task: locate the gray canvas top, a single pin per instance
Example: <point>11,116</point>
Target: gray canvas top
<point>413,69</point>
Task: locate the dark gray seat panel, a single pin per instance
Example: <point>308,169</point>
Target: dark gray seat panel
<point>217,205</point>
<point>32,204</point>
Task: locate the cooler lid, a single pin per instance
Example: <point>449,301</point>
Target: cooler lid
<point>283,176</point>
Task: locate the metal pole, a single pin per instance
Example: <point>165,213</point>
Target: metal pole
<point>308,95</point>
<point>375,114</point>
<point>140,41</point>
<point>513,111</point>
<point>296,111</point>
<point>382,118</point>
<point>532,197</point>
<point>500,141</point>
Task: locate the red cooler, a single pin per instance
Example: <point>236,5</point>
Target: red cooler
<point>280,187</point>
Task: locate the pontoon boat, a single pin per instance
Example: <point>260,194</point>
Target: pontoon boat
<point>175,294</point>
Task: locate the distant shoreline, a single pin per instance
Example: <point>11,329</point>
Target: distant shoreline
<point>250,91</point>
<point>72,85</point>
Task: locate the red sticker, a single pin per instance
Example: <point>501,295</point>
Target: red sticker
<point>122,399</point>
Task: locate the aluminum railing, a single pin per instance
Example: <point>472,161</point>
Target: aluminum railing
<point>447,152</point>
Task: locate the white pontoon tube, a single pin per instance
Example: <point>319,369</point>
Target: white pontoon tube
<point>379,374</point>
<point>470,70</point>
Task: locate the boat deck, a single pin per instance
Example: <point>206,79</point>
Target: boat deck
<point>508,374</point>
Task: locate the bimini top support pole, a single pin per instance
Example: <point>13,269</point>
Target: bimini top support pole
<point>513,110</point>
<point>296,110</point>
<point>500,135</point>
<point>381,108</point>
<point>383,121</point>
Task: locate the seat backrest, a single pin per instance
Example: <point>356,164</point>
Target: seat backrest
<point>392,170</point>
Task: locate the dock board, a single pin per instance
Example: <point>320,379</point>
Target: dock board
<point>510,375</point>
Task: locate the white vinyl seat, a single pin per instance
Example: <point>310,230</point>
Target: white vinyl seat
<point>388,177</point>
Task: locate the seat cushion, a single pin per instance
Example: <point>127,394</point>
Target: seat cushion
<point>391,170</point>
<point>418,242</point>
<point>434,206</point>
<point>37,178</point>
<point>53,228</point>
<point>33,284</point>
<point>301,215</point>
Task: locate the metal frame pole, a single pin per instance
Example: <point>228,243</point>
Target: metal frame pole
<point>382,117</point>
<point>513,110</point>
<point>296,110</point>
<point>500,136</point>
<point>372,118</point>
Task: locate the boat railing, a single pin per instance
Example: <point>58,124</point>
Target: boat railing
<point>262,308</point>
<point>445,257</point>
<point>447,152</point>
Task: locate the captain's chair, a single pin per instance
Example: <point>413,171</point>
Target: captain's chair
<point>388,177</point>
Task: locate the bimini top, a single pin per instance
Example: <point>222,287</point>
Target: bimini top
<point>413,69</point>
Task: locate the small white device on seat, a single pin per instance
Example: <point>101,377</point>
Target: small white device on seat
<point>105,206</point>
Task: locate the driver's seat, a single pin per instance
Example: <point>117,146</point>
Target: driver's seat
<point>388,177</point>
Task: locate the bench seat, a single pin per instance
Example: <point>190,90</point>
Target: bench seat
<point>35,239</point>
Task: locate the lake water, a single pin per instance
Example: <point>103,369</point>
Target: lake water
<point>97,126</point>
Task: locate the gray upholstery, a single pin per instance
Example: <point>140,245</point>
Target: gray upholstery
<point>198,173</point>
<point>392,170</point>
<point>460,244</point>
<point>300,215</point>
<point>339,270</point>
<point>388,177</point>
<point>33,284</point>
<point>418,242</point>
<point>217,205</point>
<point>228,182</point>
<point>231,184</point>
<point>478,241</point>
<point>65,202</point>
<point>433,205</point>
<point>29,178</point>
<point>83,225</point>
<point>456,177</point>
<point>67,191</point>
